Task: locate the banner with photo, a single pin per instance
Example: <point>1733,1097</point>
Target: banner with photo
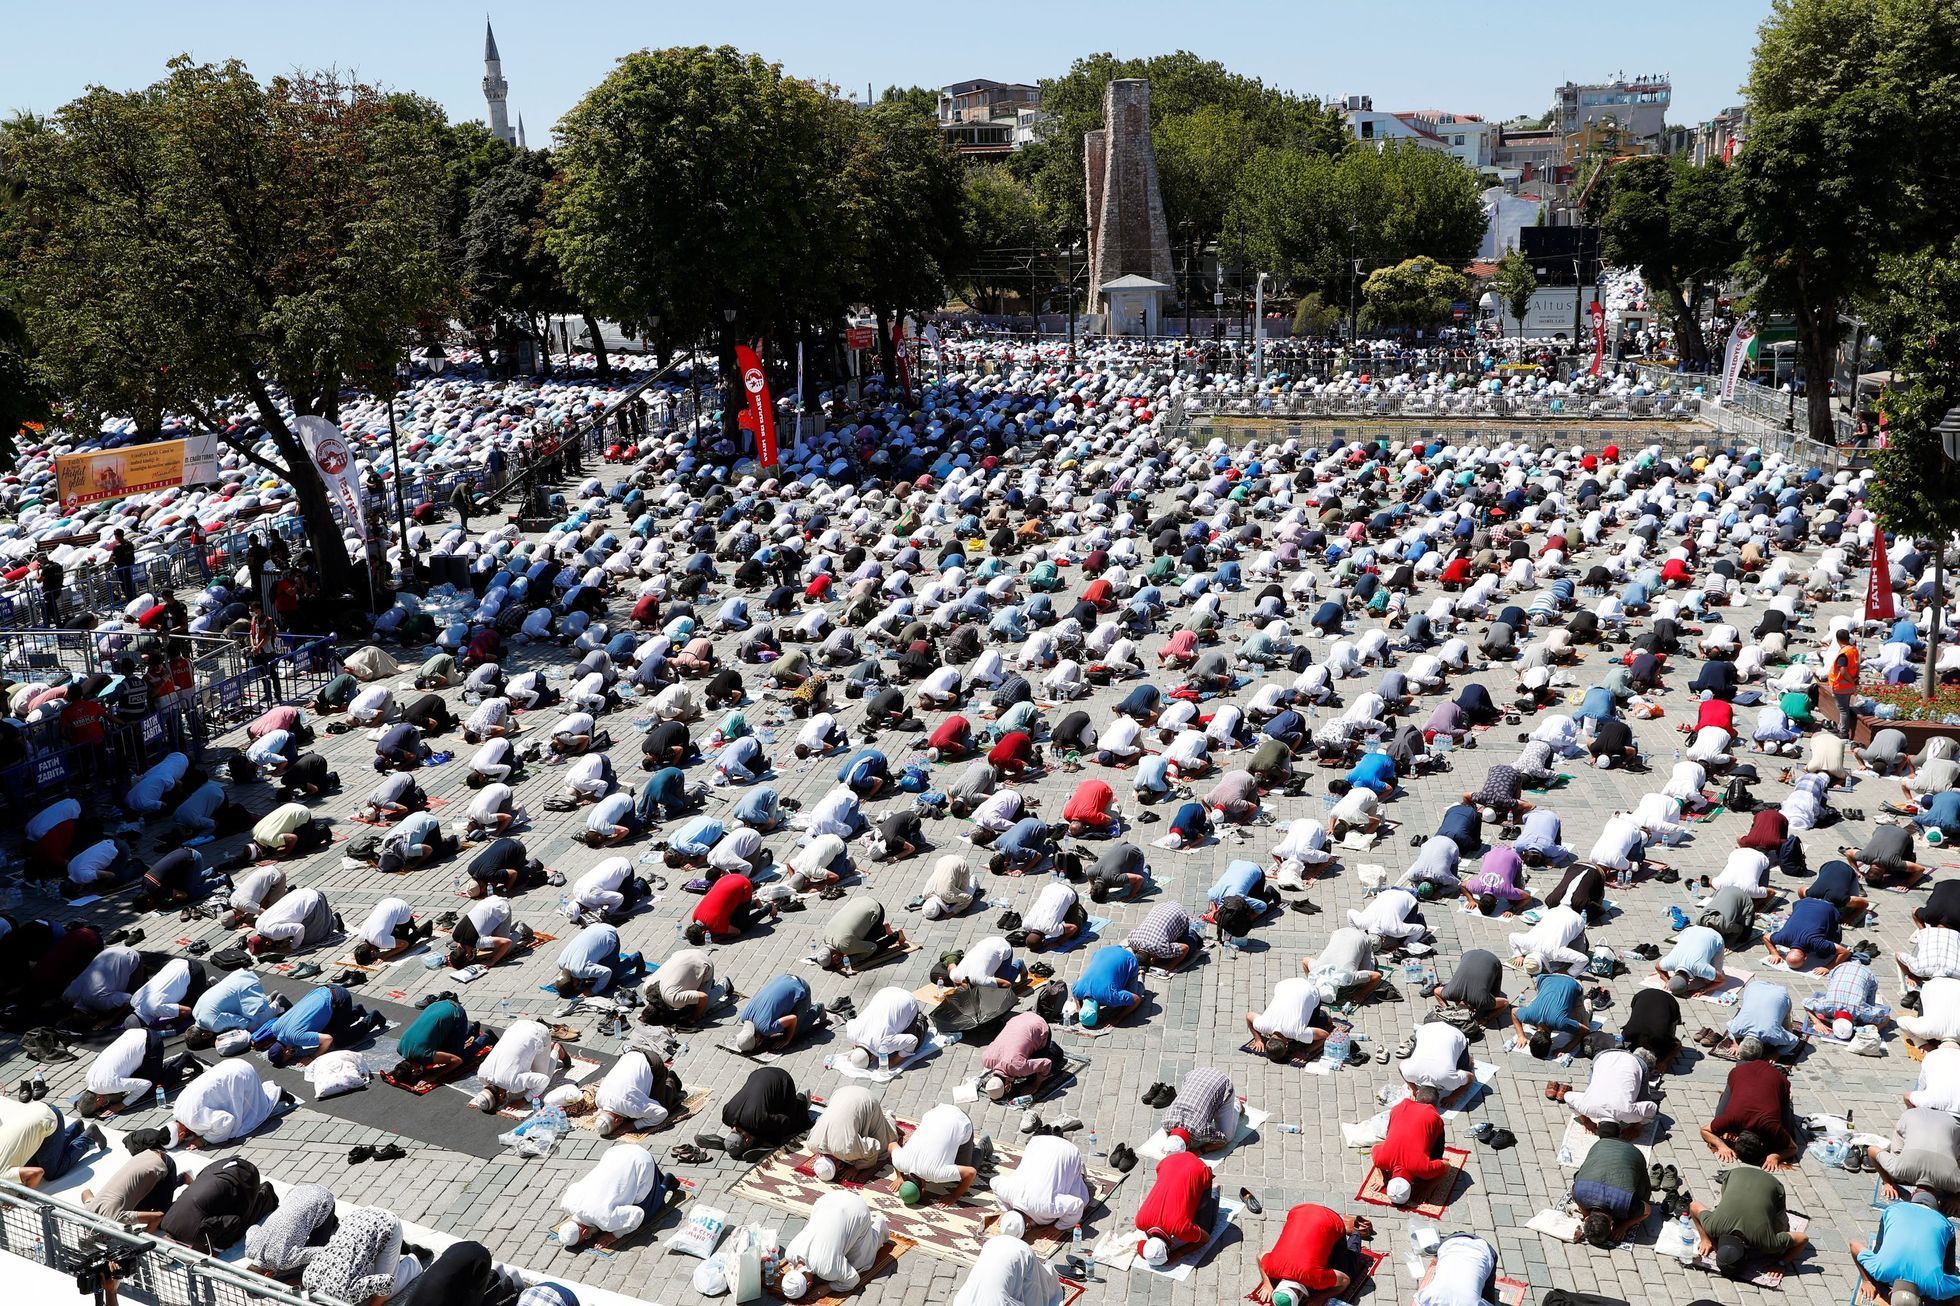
<point>105,474</point>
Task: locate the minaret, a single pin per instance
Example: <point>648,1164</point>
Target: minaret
<point>495,88</point>
<point>520,132</point>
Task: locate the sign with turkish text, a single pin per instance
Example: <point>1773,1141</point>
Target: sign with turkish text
<point>1878,585</point>
<point>334,458</point>
<point>860,337</point>
<point>758,412</point>
<point>1741,348</point>
<point>107,474</point>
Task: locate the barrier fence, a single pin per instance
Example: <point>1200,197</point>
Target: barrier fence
<point>92,1250</point>
<point>229,689</point>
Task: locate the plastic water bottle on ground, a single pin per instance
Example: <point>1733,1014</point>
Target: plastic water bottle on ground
<point>1289,1129</point>
<point>1095,1148</point>
<point>159,1097</point>
<point>503,1008</point>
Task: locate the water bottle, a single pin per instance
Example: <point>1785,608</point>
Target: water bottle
<point>1075,1242</point>
<point>456,882</point>
<point>1095,1148</point>
<point>1023,1102</point>
<point>564,901</point>
<point>503,1008</point>
<point>159,1097</point>
<point>1289,1129</point>
<point>1088,1254</point>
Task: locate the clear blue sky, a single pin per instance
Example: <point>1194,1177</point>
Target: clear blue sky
<point>1497,60</point>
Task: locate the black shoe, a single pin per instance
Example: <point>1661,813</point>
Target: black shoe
<point>359,1152</point>
<point>1123,1158</point>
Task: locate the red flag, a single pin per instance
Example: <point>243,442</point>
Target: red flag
<point>1878,586</point>
<point>1599,335</point>
<point>759,415</point>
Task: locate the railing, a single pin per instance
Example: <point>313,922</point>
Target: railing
<point>1468,404</point>
<point>84,1246</point>
<point>230,689</point>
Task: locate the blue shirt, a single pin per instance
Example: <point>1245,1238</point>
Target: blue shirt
<point>1109,978</point>
<point>237,1001</point>
<point>861,766</point>
<point>782,996</point>
<point>1190,820</point>
<point>1541,833</point>
<point>1942,813</point>
<point>1024,838</point>
<point>591,954</point>
<point>757,807</point>
<point>1374,771</point>
<point>1914,1244</point>
<point>1809,918</point>
<point>1556,1005</point>
<point>1239,880</point>
<point>1762,1010</point>
<point>698,836</point>
<point>300,1028</point>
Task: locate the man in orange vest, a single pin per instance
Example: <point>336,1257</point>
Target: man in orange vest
<point>1844,679</point>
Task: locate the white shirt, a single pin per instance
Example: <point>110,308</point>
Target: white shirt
<point>886,1019</point>
<point>252,889</point>
<point>113,1072</point>
<point>1050,906</point>
<point>158,1000</point>
<point>1291,1009</point>
<point>983,960</point>
<point>379,927</point>
<point>932,1151</point>
<point>490,801</point>
<point>1463,1263</point>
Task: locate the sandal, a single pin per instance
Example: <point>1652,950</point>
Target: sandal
<point>689,1154</point>
<point>1555,1091</point>
<point>389,1152</point>
<point>358,1153</point>
<point>1404,1048</point>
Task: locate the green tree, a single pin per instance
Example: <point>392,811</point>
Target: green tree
<point>916,99</point>
<point>1314,316</point>
<point>903,212</point>
<point>210,243</point>
<point>1677,224</point>
<point>1416,292</point>
<point>1181,84</point>
<point>699,183</point>
<point>511,279</point>
<point>1200,156</point>
<point>23,398</point>
<point>1306,217</point>
<point>1006,225</point>
<point>1514,285</point>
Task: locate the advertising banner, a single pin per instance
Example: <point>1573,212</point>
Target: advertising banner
<point>760,414</point>
<point>330,452</point>
<point>106,474</point>
<point>1878,585</point>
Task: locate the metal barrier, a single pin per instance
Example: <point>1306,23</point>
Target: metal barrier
<point>1468,405</point>
<point>84,1246</point>
<point>186,721</point>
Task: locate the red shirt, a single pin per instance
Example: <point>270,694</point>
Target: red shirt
<point>82,720</point>
<point>1309,1238</point>
<point>1100,593</point>
<point>1716,712</point>
<point>1170,1209</point>
<point>723,899</point>
<point>1456,571</point>
<point>647,607</point>
<point>1768,831</point>
<point>1015,749</point>
<point>1414,1145</point>
<point>1089,802</point>
<point>817,588</point>
<point>953,732</point>
<point>1757,1099</point>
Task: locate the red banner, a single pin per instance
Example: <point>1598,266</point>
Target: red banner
<point>860,337</point>
<point>1878,586</point>
<point>759,414</point>
<point>1599,335</point>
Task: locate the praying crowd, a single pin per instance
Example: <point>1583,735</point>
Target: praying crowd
<point>1052,839</point>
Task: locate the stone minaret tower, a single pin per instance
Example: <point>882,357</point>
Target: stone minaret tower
<point>495,88</point>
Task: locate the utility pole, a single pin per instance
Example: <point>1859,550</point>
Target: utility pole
<point>1259,329</point>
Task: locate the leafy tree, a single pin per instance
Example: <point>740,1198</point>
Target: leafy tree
<point>23,398</point>
<point>902,210</point>
<point>1006,224</point>
<point>210,243</point>
<point>1305,217</point>
<point>1677,224</point>
<point>1314,316</point>
<point>512,280</point>
<point>1200,156</point>
<point>1416,292</point>
<point>916,99</point>
<point>698,182</point>
<point>1181,84</point>
<point>1514,284</point>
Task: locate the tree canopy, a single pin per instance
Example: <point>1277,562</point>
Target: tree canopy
<point>1416,292</point>
<point>1677,225</point>
<point>1304,217</point>
<point>1514,285</point>
<point>211,240</point>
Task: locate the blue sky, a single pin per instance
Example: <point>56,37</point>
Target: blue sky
<point>1496,60</point>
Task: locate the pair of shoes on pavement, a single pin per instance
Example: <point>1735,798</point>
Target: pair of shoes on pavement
<point>1159,1095</point>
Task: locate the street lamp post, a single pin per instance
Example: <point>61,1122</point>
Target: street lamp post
<point>404,570</point>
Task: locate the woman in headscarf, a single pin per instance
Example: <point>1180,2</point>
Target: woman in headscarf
<point>218,1206</point>
<point>852,1131</point>
<point>462,1276</point>
<point>363,1261</point>
<point>294,1234</point>
<point>1008,1273</point>
<point>836,1247</point>
<point>615,1197</point>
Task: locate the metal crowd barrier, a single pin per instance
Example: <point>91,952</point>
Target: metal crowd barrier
<point>187,721</point>
<point>84,1246</point>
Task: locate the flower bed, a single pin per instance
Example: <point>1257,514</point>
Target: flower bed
<point>1911,705</point>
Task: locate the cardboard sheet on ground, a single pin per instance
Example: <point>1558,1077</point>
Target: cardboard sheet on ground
<point>1428,1200</point>
<point>886,1074</point>
<point>1122,1246</point>
<point>1157,1146</point>
<point>1555,1224</point>
<point>690,1106</point>
<point>955,1231</point>
<point>1578,1140</point>
<point>1724,994</point>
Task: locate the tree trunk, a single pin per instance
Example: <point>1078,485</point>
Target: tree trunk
<point>598,344</point>
<point>1684,327</point>
<point>731,387</point>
